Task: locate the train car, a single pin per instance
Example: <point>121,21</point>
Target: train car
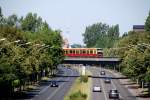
<point>83,52</point>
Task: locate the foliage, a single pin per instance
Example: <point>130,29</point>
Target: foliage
<point>21,63</point>
<point>78,96</point>
<point>147,23</point>
<point>84,78</point>
<point>135,55</point>
<point>101,35</point>
<point>134,50</point>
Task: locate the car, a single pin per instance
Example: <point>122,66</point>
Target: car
<point>97,89</point>
<point>54,84</point>
<point>102,72</point>
<point>107,80</point>
<point>146,85</point>
<point>113,94</point>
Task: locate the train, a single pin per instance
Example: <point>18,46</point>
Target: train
<point>83,52</point>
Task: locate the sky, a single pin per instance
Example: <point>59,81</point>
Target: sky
<point>73,16</point>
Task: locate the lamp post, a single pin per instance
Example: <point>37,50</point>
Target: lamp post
<point>45,47</point>
<point>17,41</point>
<point>25,43</point>
<point>9,42</point>
<point>2,39</point>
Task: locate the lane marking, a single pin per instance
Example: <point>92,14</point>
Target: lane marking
<point>43,90</point>
<point>54,92</point>
<point>103,89</point>
<point>102,84</point>
<point>114,86</point>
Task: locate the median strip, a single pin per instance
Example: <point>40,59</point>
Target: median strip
<point>81,89</point>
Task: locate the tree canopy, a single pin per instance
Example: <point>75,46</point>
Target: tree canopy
<point>147,23</point>
<point>101,35</point>
<point>30,49</point>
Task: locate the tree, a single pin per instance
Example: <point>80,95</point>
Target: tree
<point>31,23</point>
<point>94,33</point>
<point>12,20</point>
<point>1,17</point>
<point>101,35</point>
<point>147,23</point>
<point>23,63</point>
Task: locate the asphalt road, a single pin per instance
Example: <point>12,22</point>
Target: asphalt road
<point>98,80</point>
<point>65,78</point>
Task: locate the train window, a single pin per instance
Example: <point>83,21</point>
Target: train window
<point>91,51</point>
<point>70,51</point>
<point>73,51</point>
<point>99,52</point>
<point>81,51</point>
<point>64,51</point>
<point>87,51</point>
<point>77,51</point>
<point>84,51</point>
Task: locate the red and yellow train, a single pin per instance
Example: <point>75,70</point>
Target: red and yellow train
<point>83,52</point>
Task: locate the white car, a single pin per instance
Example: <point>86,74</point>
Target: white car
<point>97,89</point>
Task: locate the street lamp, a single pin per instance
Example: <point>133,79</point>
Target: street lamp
<point>2,39</point>
<point>144,44</point>
<point>9,43</point>
<point>13,42</point>
<point>25,43</point>
<point>45,46</point>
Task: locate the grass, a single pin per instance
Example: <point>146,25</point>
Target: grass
<point>81,89</point>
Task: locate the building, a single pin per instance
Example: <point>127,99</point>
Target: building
<point>138,28</point>
<point>66,43</point>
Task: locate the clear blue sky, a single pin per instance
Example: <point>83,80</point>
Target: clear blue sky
<point>72,16</point>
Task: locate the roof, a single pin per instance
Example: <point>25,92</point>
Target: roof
<point>138,26</point>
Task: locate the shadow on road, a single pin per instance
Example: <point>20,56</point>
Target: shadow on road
<point>109,77</point>
<point>92,76</point>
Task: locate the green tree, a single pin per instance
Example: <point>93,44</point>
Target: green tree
<point>31,22</point>
<point>2,20</point>
<point>12,20</point>
<point>93,33</point>
<point>21,63</point>
<point>147,23</point>
<point>101,35</point>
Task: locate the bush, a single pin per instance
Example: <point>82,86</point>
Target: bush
<point>44,79</point>
<point>84,79</point>
<point>78,96</point>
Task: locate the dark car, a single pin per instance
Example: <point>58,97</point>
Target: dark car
<point>114,94</point>
<point>107,80</point>
<point>102,72</point>
<point>54,84</point>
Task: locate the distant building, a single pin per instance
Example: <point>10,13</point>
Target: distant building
<point>138,28</point>
<point>66,43</point>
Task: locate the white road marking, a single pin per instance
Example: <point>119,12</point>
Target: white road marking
<point>105,95</point>
<point>54,92</point>
<point>43,90</point>
<point>103,89</point>
<point>114,86</point>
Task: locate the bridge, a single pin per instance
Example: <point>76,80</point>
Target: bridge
<point>101,61</point>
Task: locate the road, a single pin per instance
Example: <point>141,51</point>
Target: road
<point>98,80</point>
<point>65,77</point>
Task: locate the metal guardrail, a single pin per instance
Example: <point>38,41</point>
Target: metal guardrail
<point>92,59</point>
